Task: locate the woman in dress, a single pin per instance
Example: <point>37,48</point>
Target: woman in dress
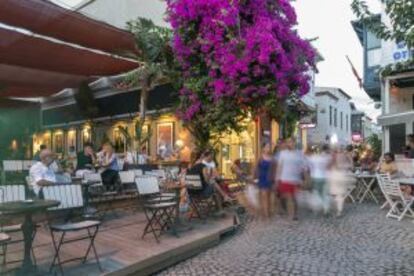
<point>264,175</point>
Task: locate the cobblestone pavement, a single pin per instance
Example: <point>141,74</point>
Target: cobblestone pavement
<point>362,242</point>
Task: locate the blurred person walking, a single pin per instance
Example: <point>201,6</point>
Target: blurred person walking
<point>264,174</point>
<point>339,180</point>
<point>319,164</point>
<point>289,175</point>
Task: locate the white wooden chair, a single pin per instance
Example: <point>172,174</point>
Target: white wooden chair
<point>12,165</point>
<point>381,178</point>
<point>70,197</point>
<point>27,164</point>
<point>400,206</point>
<point>10,193</point>
<point>13,193</point>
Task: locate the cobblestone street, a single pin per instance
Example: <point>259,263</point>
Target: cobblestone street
<point>362,242</point>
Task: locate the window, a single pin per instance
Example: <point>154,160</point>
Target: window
<point>330,115</point>
<point>412,101</point>
<point>397,138</point>
<point>373,50</point>
<point>346,122</point>
<point>341,120</point>
<point>374,57</point>
<point>335,117</point>
<point>373,41</point>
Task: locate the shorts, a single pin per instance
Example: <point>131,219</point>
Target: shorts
<point>286,187</point>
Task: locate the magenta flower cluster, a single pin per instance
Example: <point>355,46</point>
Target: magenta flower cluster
<point>247,49</point>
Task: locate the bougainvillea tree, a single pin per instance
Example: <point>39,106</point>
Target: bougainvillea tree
<point>238,57</point>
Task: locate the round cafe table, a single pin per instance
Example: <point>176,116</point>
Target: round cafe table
<point>27,209</point>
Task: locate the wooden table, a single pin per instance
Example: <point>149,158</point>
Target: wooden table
<point>367,181</point>
<point>27,208</point>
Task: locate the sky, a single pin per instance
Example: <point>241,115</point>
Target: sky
<point>330,21</point>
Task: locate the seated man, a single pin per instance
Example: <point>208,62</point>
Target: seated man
<point>41,173</point>
<point>36,156</point>
<point>85,160</point>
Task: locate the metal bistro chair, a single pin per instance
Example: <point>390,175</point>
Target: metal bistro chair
<point>13,193</point>
<point>381,178</point>
<point>138,172</point>
<point>160,209</point>
<point>201,206</point>
<point>395,197</point>
<point>128,182</point>
<point>70,197</point>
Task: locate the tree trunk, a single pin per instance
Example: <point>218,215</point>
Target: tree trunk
<point>143,103</point>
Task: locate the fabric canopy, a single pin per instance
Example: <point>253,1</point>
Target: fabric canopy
<point>20,76</point>
<point>46,18</point>
<point>26,92</point>
<point>27,51</point>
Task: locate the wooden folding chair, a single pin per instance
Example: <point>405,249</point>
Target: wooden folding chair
<point>160,209</point>
<point>400,205</point>
<point>70,197</point>
<point>381,178</point>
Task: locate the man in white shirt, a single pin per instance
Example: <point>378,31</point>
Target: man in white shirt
<point>290,169</point>
<point>41,173</point>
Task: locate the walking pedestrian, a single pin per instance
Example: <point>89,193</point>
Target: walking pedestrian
<point>318,166</point>
<point>290,169</point>
<point>264,175</point>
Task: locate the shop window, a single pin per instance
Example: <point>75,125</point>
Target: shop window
<point>165,141</point>
<point>346,122</point>
<point>58,143</point>
<point>397,138</point>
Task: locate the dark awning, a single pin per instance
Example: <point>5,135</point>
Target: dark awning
<point>26,77</point>
<point>27,51</point>
<point>46,18</point>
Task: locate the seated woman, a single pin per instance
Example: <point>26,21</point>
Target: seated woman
<point>110,167</point>
<point>199,168</point>
<point>387,165</point>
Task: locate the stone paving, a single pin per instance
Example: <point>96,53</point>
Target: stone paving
<point>362,242</point>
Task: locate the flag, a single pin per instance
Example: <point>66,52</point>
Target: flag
<point>355,72</point>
